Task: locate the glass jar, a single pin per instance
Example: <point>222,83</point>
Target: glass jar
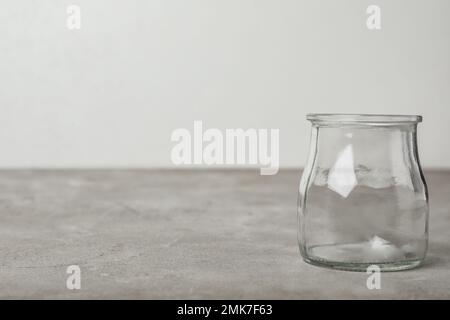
<point>362,198</point>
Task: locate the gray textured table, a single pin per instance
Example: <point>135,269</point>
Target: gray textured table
<point>183,234</point>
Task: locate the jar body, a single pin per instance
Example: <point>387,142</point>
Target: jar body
<point>363,198</point>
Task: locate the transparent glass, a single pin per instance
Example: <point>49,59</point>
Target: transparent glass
<point>363,198</point>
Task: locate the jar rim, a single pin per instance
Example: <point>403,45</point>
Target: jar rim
<point>363,118</point>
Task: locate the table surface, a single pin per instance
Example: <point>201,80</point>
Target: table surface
<point>183,234</point>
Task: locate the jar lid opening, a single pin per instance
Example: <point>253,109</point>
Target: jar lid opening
<point>363,118</point>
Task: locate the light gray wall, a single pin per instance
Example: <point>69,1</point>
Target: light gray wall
<point>111,93</point>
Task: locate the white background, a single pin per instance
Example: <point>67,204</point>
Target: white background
<point>110,94</point>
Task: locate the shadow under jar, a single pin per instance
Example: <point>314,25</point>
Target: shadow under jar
<point>363,199</point>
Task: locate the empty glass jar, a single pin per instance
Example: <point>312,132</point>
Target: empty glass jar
<point>363,198</point>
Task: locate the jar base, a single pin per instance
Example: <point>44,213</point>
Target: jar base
<point>362,267</point>
<point>358,256</point>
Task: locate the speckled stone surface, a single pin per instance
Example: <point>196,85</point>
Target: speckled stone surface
<point>183,234</point>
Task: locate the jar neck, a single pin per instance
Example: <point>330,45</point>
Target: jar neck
<point>365,146</point>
